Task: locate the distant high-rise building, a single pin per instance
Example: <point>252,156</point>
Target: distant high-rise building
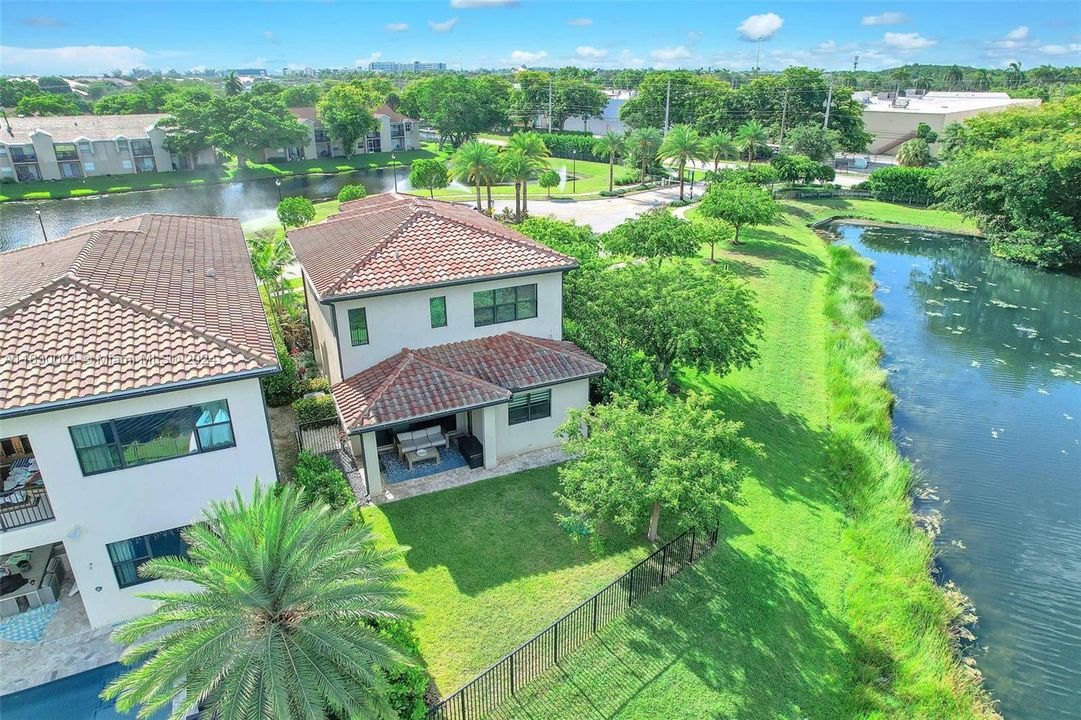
<point>398,67</point>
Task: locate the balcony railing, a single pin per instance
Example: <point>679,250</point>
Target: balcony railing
<point>25,506</point>
<point>63,155</point>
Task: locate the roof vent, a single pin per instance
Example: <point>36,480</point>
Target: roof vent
<point>397,256</point>
<point>210,272</point>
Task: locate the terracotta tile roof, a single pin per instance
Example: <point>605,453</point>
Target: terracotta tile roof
<point>166,299</point>
<point>389,242</point>
<point>449,378</point>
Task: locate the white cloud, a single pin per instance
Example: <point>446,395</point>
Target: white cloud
<point>482,3</point>
<point>524,56</point>
<point>761,27</point>
<point>589,52</point>
<point>268,34</point>
<point>396,27</point>
<point>827,46</point>
<point>43,21</point>
<point>1072,48</point>
<point>370,59</point>
<point>886,18</point>
<point>669,54</point>
<point>907,41</point>
<point>70,60</point>
<point>579,22</point>
<point>446,26</point>
<point>1018,33</point>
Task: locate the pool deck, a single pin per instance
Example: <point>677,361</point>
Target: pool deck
<point>70,646</point>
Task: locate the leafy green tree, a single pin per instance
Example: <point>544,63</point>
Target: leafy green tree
<point>914,153</point>
<point>548,180</point>
<point>578,241</point>
<point>926,133</point>
<point>296,211</point>
<point>303,95</point>
<point>751,138</point>
<point>612,144</point>
<point>690,95</point>
<point>352,192</point>
<point>247,125</point>
<point>573,97</point>
<point>12,91</point>
<point>740,205</point>
<point>628,464</point>
<point>679,313</point>
<point>457,106</point>
<point>280,623</point>
<point>233,85</point>
<point>474,164</point>
<point>644,144</point>
<point>124,103</point>
<point>718,147</point>
<point>681,145</point>
<point>516,166</point>
<point>346,113</point>
<point>429,174</point>
<point>656,234</point>
<point>47,104</point>
<point>813,141</point>
<point>532,145</point>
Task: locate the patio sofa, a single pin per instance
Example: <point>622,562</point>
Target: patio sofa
<point>431,437</point>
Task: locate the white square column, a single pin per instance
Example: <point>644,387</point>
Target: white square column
<point>488,420</point>
<point>371,465</point>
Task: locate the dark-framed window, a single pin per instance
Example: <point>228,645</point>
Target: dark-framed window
<point>127,556</point>
<point>358,326</point>
<point>143,439</point>
<point>529,406</point>
<point>437,309</point>
<point>504,304</point>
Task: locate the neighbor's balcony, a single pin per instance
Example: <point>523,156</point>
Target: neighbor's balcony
<point>23,498</point>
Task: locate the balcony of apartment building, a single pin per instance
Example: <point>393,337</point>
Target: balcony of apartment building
<point>67,158</point>
<point>25,160</point>
<point>142,153</point>
<point>23,497</point>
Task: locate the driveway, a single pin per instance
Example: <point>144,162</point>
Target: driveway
<point>601,214</point>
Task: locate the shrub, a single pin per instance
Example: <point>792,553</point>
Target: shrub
<point>352,192</point>
<point>322,480</point>
<point>566,237</point>
<point>628,178</point>
<point>283,387</point>
<point>908,182</point>
<point>561,146</point>
<point>313,409</point>
<point>296,211</point>
<point>315,383</point>
<point>612,193</point>
<point>408,683</point>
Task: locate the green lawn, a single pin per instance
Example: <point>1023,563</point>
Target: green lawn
<point>488,566</point>
<point>58,189</point>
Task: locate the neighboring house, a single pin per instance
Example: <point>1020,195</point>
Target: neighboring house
<point>131,354</point>
<point>892,120</point>
<point>428,314</point>
<point>396,133</point>
<point>69,147</point>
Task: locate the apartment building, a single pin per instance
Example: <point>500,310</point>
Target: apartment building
<point>396,133</point>
<point>400,67</point>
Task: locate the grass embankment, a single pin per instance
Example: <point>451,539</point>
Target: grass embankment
<point>818,604</point>
<point>59,189</point>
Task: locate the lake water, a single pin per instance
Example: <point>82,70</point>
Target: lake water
<point>985,359</point>
<point>247,200</point>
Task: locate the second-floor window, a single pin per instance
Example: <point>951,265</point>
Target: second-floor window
<point>358,327</point>
<point>504,305</point>
<point>437,309</point>
<point>142,439</point>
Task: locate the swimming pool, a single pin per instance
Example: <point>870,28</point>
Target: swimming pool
<point>74,698</point>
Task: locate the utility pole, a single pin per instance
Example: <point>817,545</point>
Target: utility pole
<point>829,102</point>
<point>784,114</point>
<point>549,106</point>
<point>855,63</point>
<point>667,104</point>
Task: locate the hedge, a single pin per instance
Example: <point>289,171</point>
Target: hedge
<point>409,684</point>
<point>914,182</point>
<point>283,387</point>
<point>315,408</point>
<point>322,480</point>
<point>561,146</point>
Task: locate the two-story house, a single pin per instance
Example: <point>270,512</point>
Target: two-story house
<point>428,315</point>
<point>131,354</point>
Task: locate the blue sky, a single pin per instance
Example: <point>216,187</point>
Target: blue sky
<point>91,37</point>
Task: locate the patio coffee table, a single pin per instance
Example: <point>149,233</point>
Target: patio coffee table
<point>415,456</point>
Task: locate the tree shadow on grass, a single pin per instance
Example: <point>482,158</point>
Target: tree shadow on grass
<point>740,635</point>
<point>768,245</point>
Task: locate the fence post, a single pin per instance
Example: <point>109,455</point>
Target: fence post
<point>512,689</point>
<point>461,703</point>
<point>595,599</point>
<point>690,559</point>
<point>664,561</point>
<point>555,643</point>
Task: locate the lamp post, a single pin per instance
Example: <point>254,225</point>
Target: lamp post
<point>41,222</point>
<point>574,171</point>
<point>278,185</point>
<point>394,169</point>
<point>692,183</point>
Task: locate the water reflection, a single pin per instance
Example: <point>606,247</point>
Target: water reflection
<point>984,358</point>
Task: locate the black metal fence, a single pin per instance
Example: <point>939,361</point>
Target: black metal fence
<point>321,436</point>
<point>503,680</point>
<point>25,507</point>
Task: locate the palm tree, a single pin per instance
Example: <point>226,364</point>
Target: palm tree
<point>531,145</point>
<point>474,163</point>
<point>612,143</point>
<point>233,85</point>
<point>719,146</point>
<point>751,137</point>
<point>900,76</point>
<point>954,76</point>
<point>923,82</point>
<point>644,144</point>
<point>982,80</point>
<point>280,624</point>
<point>269,257</point>
<point>683,145</point>
<point>1014,70</point>
<point>516,166</point>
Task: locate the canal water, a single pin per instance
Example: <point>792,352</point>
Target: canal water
<point>984,357</point>
<point>246,200</point>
